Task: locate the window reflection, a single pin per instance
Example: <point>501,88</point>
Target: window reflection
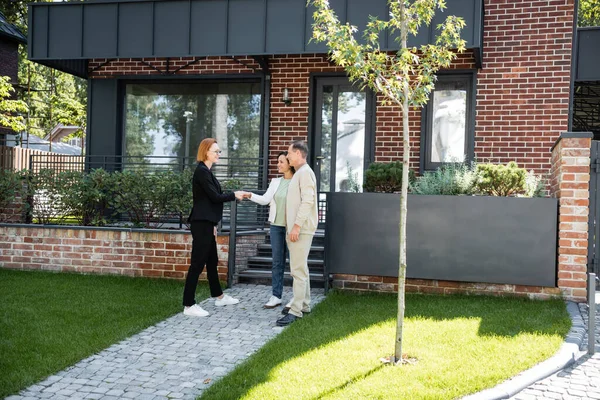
<point>172,119</point>
<point>449,125</point>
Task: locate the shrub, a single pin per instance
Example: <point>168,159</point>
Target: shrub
<point>11,187</point>
<point>385,177</point>
<point>500,180</point>
<point>535,185</point>
<point>150,199</point>
<point>86,195</point>
<point>46,190</point>
<point>450,179</point>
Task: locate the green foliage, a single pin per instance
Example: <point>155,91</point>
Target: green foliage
<point>535,185</point>
<point>500,180</point>
<point>353,185</point>
<point>385,177</point>
<point>45,189</point>
<point>589,13</point>
<point>232,184</point>
<point>149,199</point>
<point>450,179</point>
<point>11,109</point>
<point>85,195</point>
<point>407,75</point>
<point>11,185</point>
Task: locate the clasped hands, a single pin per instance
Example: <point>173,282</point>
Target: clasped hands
<point>241,195</point>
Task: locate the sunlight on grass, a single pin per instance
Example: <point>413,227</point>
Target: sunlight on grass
<point>463,345</point>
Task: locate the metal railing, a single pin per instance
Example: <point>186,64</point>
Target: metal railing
<point>233,174</point>
<point>591,291</point>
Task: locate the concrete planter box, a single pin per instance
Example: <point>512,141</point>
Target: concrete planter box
<point>501,240</point>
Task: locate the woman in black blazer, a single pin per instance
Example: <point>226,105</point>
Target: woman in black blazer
<point>204,217</point>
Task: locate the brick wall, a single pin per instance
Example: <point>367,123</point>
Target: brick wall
<point>9,61</point>
<point>522,87</point>
<point>387,284</point>
<point>146,253</point>
<point>569,182</point>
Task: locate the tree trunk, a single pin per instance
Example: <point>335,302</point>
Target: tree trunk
<point>403,209</point>
<point>220,124</point>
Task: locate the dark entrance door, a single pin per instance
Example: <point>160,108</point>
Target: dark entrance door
<point>342,135</point>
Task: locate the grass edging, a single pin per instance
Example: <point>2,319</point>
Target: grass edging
<point>566,355</point>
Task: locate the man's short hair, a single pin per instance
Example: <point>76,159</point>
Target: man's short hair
<point>301,145</point>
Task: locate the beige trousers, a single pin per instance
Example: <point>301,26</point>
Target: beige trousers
<point>299,269</point>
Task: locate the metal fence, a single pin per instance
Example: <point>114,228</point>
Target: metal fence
<point>233,174</point>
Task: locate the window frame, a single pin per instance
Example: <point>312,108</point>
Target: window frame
<point>203,79</point>
<point>470,78</point>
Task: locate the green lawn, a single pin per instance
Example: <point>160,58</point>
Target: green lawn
<point>463,344</point>
<point>49,321</point>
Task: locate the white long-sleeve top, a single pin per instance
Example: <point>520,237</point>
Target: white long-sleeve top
<point>268,198</point>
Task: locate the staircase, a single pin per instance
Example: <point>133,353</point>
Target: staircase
<point>259,266</point>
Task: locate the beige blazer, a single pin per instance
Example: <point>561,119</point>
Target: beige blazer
<point>301,201</point>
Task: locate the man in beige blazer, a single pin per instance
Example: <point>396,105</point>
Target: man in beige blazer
<point>301,220</point>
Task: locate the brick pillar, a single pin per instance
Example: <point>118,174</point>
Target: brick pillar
<point>570,183</point>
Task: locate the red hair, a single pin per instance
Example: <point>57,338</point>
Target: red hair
<point>204,147</point>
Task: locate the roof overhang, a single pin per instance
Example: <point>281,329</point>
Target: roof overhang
<point>64,35</point>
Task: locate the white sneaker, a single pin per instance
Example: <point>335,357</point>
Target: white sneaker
<point>227,300</point>
<point>273,302</point>
<point>195,311</point>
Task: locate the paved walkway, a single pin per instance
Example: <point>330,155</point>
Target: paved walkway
<point>579,381</point>
<point>181,356</point>
<point>175,359</point>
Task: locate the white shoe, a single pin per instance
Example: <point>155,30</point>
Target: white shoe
<point>273,302</point>
<point>195,311</point>
<point>226,300</point>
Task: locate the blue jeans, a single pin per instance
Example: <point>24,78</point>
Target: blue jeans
<point>280,250</point>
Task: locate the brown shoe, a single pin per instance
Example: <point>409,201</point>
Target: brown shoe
<point>286,311</point>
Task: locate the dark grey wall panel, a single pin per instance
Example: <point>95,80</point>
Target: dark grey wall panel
<point>135,30</point>
<point>460,8</point>
<point>246,27</point>
<point>588,56</point>
<point>455,238</point>
<point>102,119</point>
<point>359,12</point>
<point>339,6</point>
<point>100,30</point>
<point>65,35</point>
<point>172,28</point>
<point>38,33</point>
<point>209,27</point>
<point>285,26</point>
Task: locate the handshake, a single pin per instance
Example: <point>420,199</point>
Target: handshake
<point>241,195</point>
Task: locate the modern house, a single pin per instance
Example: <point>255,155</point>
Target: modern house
<point>163,75</point>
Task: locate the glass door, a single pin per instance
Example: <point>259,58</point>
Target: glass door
<point>342,135</point>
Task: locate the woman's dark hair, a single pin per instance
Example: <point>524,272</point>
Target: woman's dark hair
<point>284,153</point>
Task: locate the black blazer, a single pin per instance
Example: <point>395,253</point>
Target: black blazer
<point>208,196</point>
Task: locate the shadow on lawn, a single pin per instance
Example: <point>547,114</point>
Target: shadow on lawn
<point>343,314</point>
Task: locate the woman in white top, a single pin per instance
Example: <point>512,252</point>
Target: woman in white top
<point>275,198</point>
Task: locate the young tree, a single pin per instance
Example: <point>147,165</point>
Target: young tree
<point>589,13</point>
<point>404,78</point>
<point>10,108</point>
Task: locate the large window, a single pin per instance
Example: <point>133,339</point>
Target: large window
<point>448,133</point>
<point>171,119</point>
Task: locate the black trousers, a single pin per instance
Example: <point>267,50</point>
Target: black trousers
<point>204,252</point>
